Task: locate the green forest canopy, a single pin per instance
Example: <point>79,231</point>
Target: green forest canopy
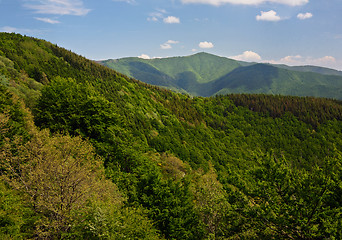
<point>166,165</point>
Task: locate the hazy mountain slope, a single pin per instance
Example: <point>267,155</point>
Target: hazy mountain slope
<point>315,69</point>
<point>141,70</point>
<point>264,78</point>
<point>204,74</point>
<point>254,78</point>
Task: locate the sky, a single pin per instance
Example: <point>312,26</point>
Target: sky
<point>292,32</point>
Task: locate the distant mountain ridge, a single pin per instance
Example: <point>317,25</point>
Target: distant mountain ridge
<point>204,74</point>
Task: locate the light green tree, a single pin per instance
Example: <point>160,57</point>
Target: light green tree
<point>291,203</point>
<point>59,176</point>
<point>210,202</point>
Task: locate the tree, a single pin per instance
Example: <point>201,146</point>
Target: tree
<point>210,202</point>
<point>14,214</point>
<point>170,205</point>
<point>77,109</point>
<point>292,203</point>
<point>54,186</point>
<point>59,176</point>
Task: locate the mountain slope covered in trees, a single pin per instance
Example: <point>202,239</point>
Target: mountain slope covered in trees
<point>206,75</point>
<point>133,161</point>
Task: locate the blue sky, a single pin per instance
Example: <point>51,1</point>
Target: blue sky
<point>294,32</point>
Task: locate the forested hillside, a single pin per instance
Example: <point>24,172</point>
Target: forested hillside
<point>88,153</point>
<point>205,75</point>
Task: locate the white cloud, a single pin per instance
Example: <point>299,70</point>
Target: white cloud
<point>194,50</point>
<point>247,2</point>
<point>268,16</point>
<point>144,56</point>
<point>155,16</point>
<point>206,45</point>
<point>159,14</point>
<point>303,16</point>
<point>171,19</point>
<point>326,60</point>
<point>127,1</point>
<point>9,29</point>
<point>167,45</point>
<point>298,60</point>
<point>161,10</point>
<point>172,42</point>
<point>152,19</point>
<point>291,59</point>
<point>47,20</point>
<point>248,56</point>
<point>59,7</point>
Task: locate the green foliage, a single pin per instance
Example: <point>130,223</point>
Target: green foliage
<point>106,220</point>
<point>58,176</point>
<point>18,82</point>
<point>62,181</point>
<point>74,108</point>
<point>211,203</point>
<point>7,68</point>
<point>12,117</point>
<point>307,109</point>
<point>288,203</point>
<point>170,206</point>
<point>14,215</point>
<point>186,168</point>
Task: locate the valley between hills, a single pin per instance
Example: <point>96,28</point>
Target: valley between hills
<point>235,151</point>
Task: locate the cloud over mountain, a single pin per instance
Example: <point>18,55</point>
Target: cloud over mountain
<point>10,29</point>
<point>144,56</point>
<point>206,44</point>
<point>248,56</point>
<point>299,60</point>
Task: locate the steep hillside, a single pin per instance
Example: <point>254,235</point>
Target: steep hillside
<point>204,74</point>
<point>138,162</point>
